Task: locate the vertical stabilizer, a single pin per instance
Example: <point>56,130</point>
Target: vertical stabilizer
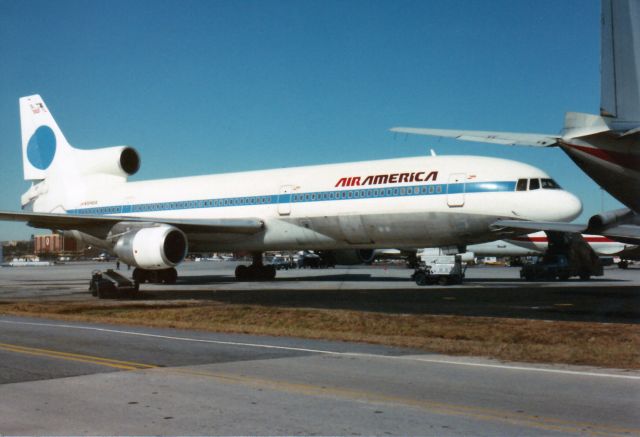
<point>620,90</point>
<point>42,139</point>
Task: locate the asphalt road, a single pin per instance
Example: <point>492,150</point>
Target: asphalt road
<point>69,378</point>
<point>488,291</point>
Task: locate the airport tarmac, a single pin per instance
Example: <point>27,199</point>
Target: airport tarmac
<point>85,378</point>
<point>487,291</point>
<point>81,378</point>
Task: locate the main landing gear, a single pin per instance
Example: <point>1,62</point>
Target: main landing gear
<point>165,276</point>
<point>256,271</point>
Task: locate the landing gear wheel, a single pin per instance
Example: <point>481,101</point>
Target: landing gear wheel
<point>140,275</point>
<point>255,273</point>
<point>420,278</point>
<point>269,272</point>
<point>242,273</point>
<point>168,276</point>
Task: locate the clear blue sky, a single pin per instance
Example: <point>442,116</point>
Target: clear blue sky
<point>201,86</point>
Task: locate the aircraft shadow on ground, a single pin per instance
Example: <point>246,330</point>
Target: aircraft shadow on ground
<point>611,304</point>
<point>346,277</point>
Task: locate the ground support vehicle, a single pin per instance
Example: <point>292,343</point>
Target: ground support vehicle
<point>568,255</point>
<point>560,267</point>
<point>442,270</point>
<point>110,284</point>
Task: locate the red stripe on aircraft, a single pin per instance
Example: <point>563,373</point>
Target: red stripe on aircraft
<point>595,239</point>
<point>627,160</point>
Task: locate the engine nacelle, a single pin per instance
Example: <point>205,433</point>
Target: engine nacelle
<point>120,161</point>
<point>353,257</point>
<point>155,248</point>
<point>609,218</point>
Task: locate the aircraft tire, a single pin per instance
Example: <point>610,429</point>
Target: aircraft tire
<point>269,272</point>
<point>168,276</point>
<point>140,275</point>
<point>242,273</point>
<point>255,273</point>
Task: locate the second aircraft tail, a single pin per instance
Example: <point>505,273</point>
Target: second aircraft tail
<point>620,71</point>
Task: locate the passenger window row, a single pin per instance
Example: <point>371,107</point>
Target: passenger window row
<point>239,201</point>
<point>323,196</point>
<point>368,193</point>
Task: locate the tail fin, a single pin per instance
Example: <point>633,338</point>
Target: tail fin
<point>42,140</point>
<point>620,86</point>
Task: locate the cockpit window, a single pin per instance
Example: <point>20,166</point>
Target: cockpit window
<point>550,184</point>
<point>534,184</point>
<point>521,185</point>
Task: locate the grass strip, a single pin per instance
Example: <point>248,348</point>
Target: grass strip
<point>534,341</point>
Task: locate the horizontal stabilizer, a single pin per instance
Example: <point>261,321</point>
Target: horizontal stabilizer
<point>504,138</point>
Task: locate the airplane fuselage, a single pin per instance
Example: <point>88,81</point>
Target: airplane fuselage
<point>405,202</point>
<point>613,163</point>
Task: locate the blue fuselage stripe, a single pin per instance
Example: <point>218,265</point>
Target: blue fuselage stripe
<point>316,196</point>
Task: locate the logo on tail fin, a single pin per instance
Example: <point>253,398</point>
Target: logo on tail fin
<point>36,108</point>
<point>42,148</point>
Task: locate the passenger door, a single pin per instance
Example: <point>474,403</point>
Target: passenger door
<point>284,200</point>
<point>456,189</point>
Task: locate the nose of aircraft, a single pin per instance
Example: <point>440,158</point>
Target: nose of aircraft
<point>567,206</point>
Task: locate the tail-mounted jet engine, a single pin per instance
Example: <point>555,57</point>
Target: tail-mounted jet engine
<point>600,222</point>
<point>120,161</point>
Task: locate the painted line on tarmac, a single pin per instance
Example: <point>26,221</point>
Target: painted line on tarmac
<point>411,358</point>
<point>90,359</point>
<point>521,419</point>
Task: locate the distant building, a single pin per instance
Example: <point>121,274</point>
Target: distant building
<point>57,245</point>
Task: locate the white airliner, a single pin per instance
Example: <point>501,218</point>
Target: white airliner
<point>537,243</point>
<point>346,208</point>
<point>524,245</point>
<point>606,146</point>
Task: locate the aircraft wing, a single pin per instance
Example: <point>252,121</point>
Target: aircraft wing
<point>98,224</point>
<point>521,226</point>
<point>504,138</point>
<point>623,233</point>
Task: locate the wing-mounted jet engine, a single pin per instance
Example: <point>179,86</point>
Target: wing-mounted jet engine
<point>153,248</point>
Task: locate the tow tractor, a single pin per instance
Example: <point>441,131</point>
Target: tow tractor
<point>110,284</point>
